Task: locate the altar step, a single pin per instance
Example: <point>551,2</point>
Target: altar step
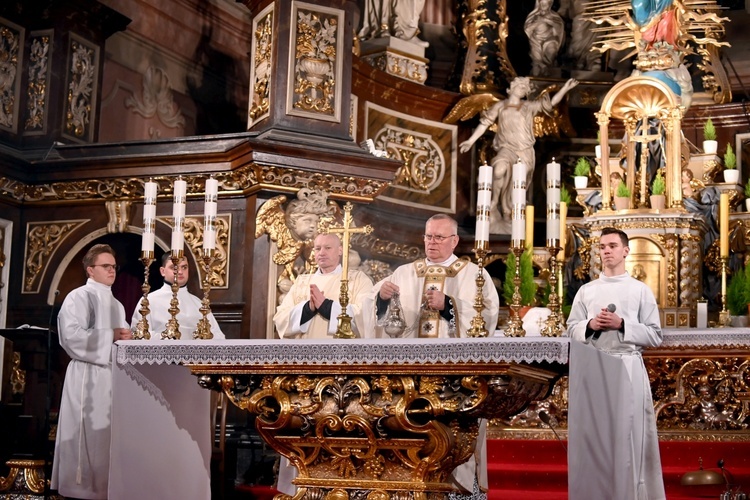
<point>538,469</point>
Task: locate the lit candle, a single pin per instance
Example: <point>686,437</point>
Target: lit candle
<point>724,225</point>
<point>178,213</point>
<point>518,222</point>
<point>209,214</point>
<point>484,198</point>
<point>553,203</point>
<point>529,226</point>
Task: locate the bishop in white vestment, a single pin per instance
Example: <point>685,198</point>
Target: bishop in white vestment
<point>613,447</point>
<point>189,305</point>
<point>90,320</point>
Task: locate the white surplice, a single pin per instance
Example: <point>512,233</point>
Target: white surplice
<point>613,447</point>
<point>288,317</point>
<point>187,318</point>
<point>86,323</point>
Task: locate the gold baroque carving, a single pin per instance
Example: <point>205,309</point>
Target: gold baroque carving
<point>36,89</point>
<point>10,49</point>
<point>118,215</point>
<point>219,273</point>
<point>260,79</point>
<point>81,79</point>
<point>42,239</point>
<point>701,393</point>
<point>251,176</point>
<point>24,480</point>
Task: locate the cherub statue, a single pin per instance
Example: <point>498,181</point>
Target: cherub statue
<point>514,121</point>
<point>295,228</point>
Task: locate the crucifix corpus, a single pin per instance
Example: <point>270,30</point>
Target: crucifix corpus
<point>344,328</point>
<point>644,138</point>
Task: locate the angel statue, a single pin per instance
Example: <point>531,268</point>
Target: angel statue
<point>294,229</point>
<point>514,120</point>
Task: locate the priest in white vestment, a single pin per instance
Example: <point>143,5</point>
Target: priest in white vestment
<point>311,308</point>
<point>90,320</point>
<point>613,447</point>
<point>189,305</point>
<point>436,296</point>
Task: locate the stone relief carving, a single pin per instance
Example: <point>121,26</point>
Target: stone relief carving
<point>156,99</point>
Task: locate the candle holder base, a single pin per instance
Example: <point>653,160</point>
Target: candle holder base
<point>203,329</point>
<point>172,330</point>
<point>514,328</point>
<point>142,330</point>
<point>478,325</point>
<point>553,326</point>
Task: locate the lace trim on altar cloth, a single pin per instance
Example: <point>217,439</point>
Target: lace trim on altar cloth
<point>338,352</point>
<point>714,337</point>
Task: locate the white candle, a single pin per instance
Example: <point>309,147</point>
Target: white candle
<point>702,314</point>
<point>553,202</point>
<point>598,151</point>
<point>147,242</point>
<point>149,192</point>
<point>519,174</point>
<point>518,225</point>
<point>178,213</point>
<point>484,197</point>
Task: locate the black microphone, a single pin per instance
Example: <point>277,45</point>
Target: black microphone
<point>544,417</point>
<point>611,308</point>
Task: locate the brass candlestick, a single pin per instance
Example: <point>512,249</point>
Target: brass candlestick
<point>553,326</point>
<point>203,330</point>
<point>724,318</point>
<point>141,331</point>
<point>515,325</point>
<point>560,291</point>
<point>344,326</point>
<point>478,326</point>
<point>172,331</point>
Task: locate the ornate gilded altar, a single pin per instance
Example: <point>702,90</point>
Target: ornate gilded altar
<point>373,419</point>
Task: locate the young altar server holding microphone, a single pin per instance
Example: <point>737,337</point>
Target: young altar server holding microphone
<point>613,443</point>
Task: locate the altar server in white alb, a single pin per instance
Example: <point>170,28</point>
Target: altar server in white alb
<point>189,304</point>
<point>90,320</point>
<point>437,300</point>
<point>311,308</point>
<point>613,447</point>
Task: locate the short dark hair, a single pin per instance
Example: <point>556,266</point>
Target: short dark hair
<point>167,257</point>
<point>623,236</point>
<point>94,252</point>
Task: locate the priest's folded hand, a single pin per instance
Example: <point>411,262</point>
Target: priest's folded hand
<point>316,297</point>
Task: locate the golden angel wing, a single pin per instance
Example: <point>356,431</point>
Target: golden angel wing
<point>270,218</point>
<point>468,107</point>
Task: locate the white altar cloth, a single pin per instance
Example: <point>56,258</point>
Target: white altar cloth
<point>389,352</point>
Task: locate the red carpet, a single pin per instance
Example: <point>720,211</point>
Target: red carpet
<point>537,469</point>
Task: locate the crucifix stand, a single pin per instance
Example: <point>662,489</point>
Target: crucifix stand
<point>644,139</point>
<point>344,328</point>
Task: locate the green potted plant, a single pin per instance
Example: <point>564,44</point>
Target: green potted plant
<point>528,286</point>
<point>731,174</point>
<point>581,173</point>
<point>710,146</point>
<point>738,292</point>
<point>658,188</point>
<point>622,197</point>
<point>747,195</point>
<point>565,195</point>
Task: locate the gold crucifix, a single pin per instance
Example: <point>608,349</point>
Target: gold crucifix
<point>344,329</point>
<point>644,138</point>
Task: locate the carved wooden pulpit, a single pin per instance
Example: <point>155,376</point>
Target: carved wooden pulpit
<point>376,419</point>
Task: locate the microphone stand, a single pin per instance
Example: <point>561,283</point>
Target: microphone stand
<point>48,406</point>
